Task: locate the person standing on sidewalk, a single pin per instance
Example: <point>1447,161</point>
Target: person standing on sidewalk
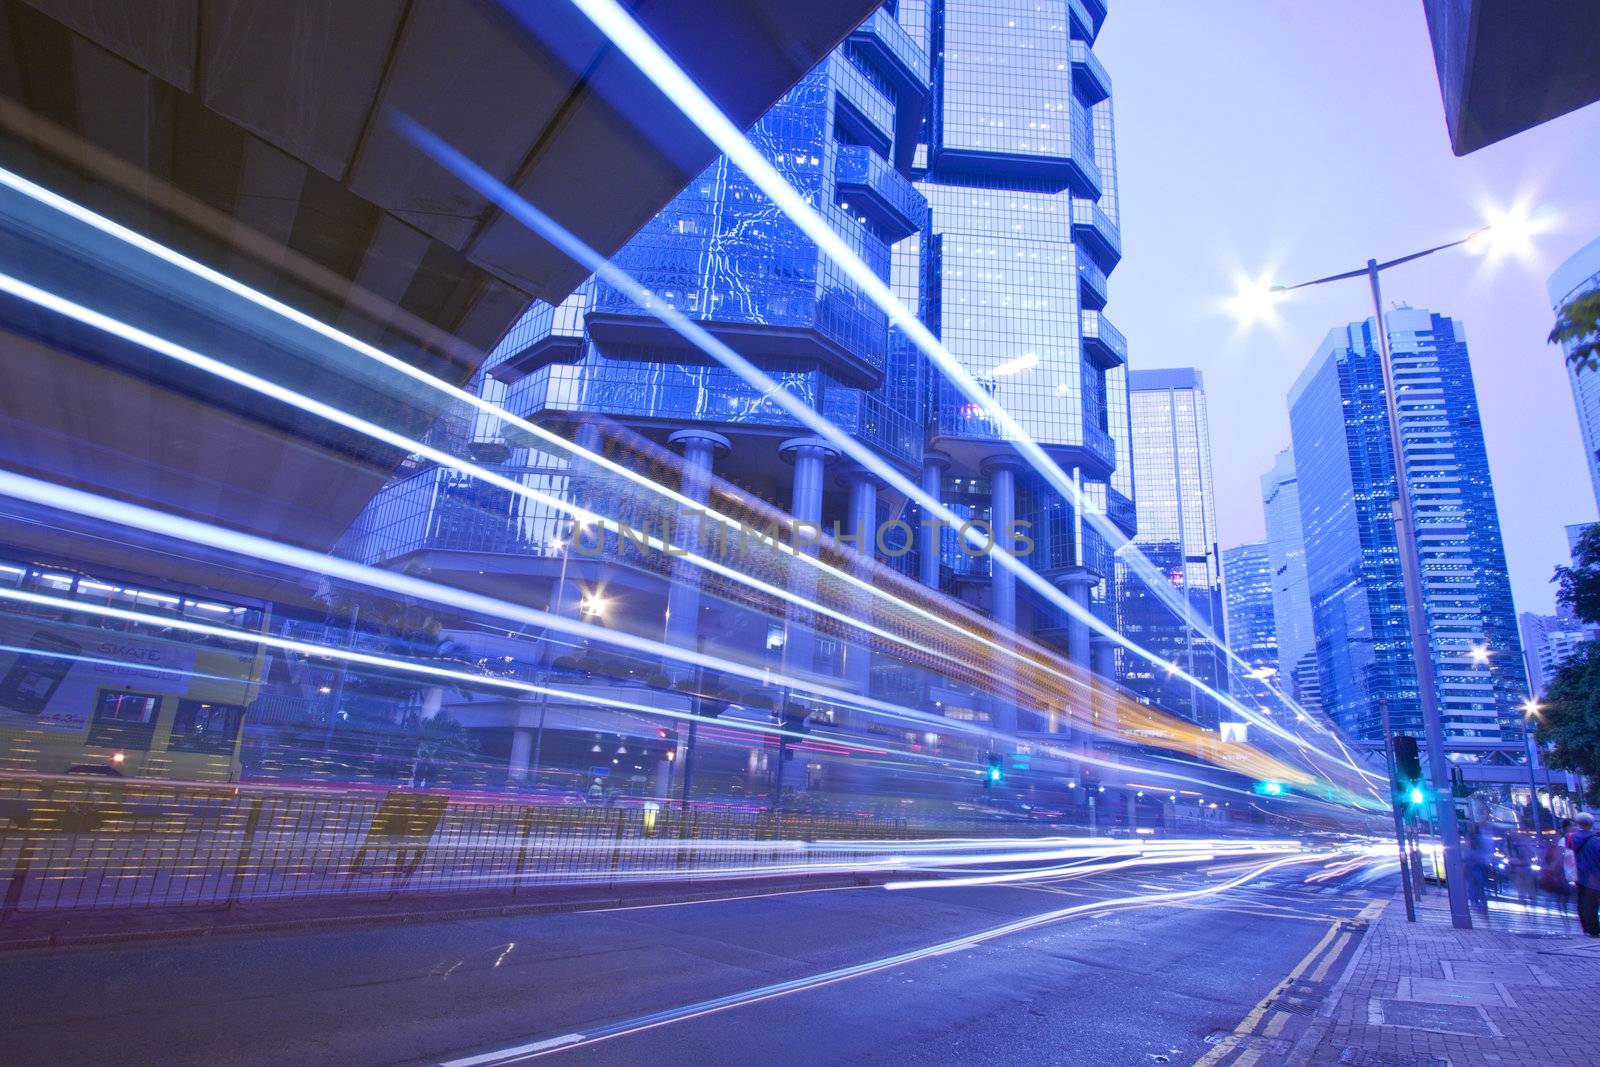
<point>1585,846</point>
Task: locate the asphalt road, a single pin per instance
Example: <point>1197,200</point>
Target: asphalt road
<point>1137,986</point>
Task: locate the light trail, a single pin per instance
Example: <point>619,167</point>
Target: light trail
<point>250,546</point>
<point>508,200</point>
<point>103,225</point>
<point>654,1020</point>
<point>110,228</point>
<point>682,92</point>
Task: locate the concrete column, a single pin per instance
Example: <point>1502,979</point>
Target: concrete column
<point>1002,474</point>
<point>809,456</point>
<point>521,754</point>
<point>863,525</point>
<point>1104,656</point>
<point>1077,583</point>
<point>934,466</point>
<point>700,449</point>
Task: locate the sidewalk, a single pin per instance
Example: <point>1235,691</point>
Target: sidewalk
<point>1518,989</point>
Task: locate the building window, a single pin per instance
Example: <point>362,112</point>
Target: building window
<point>123,719</point>
<point>205,727</point>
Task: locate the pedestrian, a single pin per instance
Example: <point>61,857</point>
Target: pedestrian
<point>1552,868</point>
<point>1521,857</point>
<point>1478,858</point>
<point>1586,851</point>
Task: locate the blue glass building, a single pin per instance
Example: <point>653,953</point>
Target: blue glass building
<point>964,150</point>
<point>1346,482</point>
<point>1247,592</point>
<point>1171,446</point>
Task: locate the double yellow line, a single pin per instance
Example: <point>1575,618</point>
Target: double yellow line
<point>1321,957</point>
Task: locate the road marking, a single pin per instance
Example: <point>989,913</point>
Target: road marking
<point>1247,1057</point>
<point>521,1050</point>
<point>806,983</point>
<point>1248,1024</point>
<point>1327,961</point>
<point>1275,1025</point>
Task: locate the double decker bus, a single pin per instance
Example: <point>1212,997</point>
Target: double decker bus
<point>87,693</point>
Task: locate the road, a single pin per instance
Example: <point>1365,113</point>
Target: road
<point>751,980</point>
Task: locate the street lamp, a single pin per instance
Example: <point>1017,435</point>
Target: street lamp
<point>1255,300</point>
<point>1530,712</point>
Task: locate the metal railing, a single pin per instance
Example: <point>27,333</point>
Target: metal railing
<point>76,843</point>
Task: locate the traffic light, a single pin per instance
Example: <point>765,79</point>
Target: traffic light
<point>1407,760</point>
<point>1270,789</point>
<point>1417,795</point>
<point>994,771</point>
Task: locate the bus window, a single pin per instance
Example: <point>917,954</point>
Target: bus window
<point>123,719</point>
<point>205,727</point>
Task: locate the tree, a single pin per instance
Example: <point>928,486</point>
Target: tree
<point>1570,722</point>
<point>1579,324</point>
<point>1579,584</point>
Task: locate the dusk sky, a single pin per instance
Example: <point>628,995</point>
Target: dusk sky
<point>1297,140</point>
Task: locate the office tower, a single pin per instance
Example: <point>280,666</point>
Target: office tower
<point>1020,177</point>
<point>1177,533</point>
<point>1347,484</point>
<point>1252,629</point>
<point>1008,135</point>
<point>1550,640</point>
<point>1578,275</point>
<point>1291,595</point>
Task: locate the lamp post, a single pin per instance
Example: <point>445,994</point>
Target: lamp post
<point>1410,565</point>
<point>1530,712</point>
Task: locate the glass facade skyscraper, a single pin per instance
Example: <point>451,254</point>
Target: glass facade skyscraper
<point>964,150</point>
<point>1578,275</point>
<point>1347,485</point>
<point>1177,532</point>
<point>1291,593</point>
<point>1247,593</point>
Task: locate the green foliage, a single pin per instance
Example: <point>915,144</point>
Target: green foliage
<point>1580,583</point>
<point>1570,722</point>
<point>1579,323</point>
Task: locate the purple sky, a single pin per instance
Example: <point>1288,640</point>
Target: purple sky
<point>1297,140</point>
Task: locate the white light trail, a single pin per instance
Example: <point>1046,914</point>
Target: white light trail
<point>681,91</point>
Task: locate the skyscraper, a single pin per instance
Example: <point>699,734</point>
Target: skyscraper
<point>1578,275</point>
<point>1550,640</point>
<point>995,113</point>
<point>1177,532</point>
<point>1020,177</point>
<point>1291,595</point>
<point>1247,590</point>
<point>1347,485</point>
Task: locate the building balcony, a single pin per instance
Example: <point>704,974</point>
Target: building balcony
<point>1089,76</point>
<point>871,114</point>
<point>1102,341</point>
<point>1092,284</point>
<point>893,51</point>
<point>545,335</point>
<point>870,187</point>
<point>1095,230</point>
<point>1091,12</point>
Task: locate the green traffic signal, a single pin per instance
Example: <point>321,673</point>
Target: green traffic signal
<point>1417,795</point>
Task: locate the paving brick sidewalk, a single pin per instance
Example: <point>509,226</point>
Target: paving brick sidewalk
<point>1427,995</point>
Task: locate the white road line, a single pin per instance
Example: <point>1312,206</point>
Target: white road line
<point>521,1050</point>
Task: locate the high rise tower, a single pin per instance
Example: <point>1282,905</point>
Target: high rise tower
<point>1177,532</point>
<point>1347,485</point>
<point>1291,594</point>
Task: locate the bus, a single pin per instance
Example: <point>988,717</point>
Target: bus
<point>82,693</point>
